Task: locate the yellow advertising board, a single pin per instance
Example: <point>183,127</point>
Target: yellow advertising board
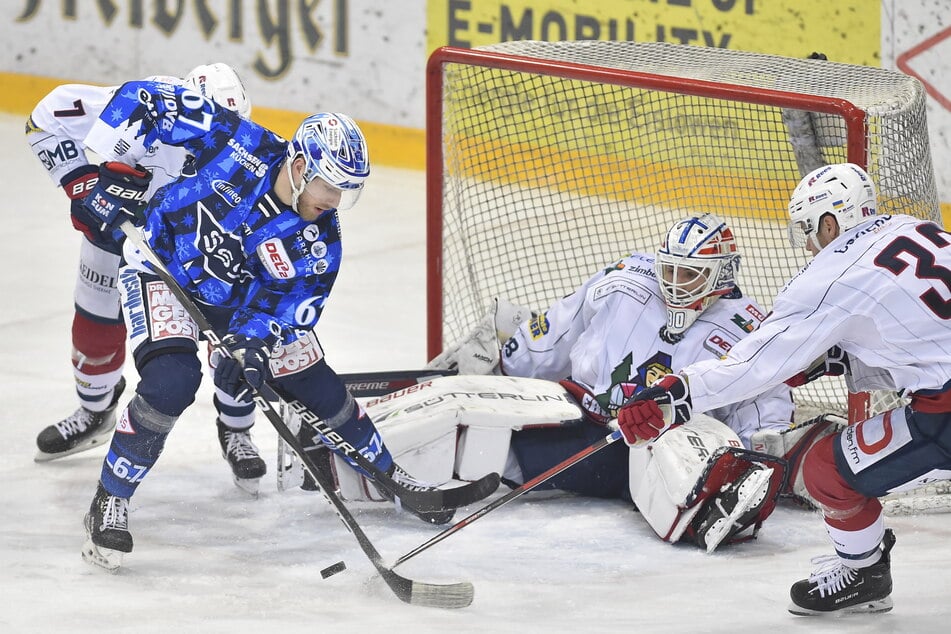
<point>845,30</point>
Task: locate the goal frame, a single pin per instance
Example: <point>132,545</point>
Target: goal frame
<point>854,118</point>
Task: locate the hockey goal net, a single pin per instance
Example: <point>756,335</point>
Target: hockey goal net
<point>548,161</point>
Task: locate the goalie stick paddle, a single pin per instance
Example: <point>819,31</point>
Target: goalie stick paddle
<point>451,596</point>
<point>511,495</point>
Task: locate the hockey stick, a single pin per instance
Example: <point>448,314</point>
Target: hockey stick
<point>511,495</point>
<point>456,595</point>
<point>367,384</point>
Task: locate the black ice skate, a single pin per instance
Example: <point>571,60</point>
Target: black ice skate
<point>733,509</point>
<point>81,430</point>
<point>247,466</point>
<point>107,530</point>
<point>834,588</point>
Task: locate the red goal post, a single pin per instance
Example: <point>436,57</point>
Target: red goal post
<point>549,160</point>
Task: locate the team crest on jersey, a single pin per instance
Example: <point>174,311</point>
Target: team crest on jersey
<point>745,324</point>
<point>626,381</point>
<point>221,249</point>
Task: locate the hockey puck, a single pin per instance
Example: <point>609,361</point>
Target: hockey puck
<point>334,569</point>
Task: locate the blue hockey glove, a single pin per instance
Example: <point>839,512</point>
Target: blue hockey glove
<point>655,409</point>
<point>247,369</point>
<point>120,188</point>
<point>78,184</point>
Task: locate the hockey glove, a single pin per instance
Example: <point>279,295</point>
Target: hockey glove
<point>835,362</point>
<point>245,371</point>
<point>77,184</point>
<point>121,188</point>
<point>655,409</point>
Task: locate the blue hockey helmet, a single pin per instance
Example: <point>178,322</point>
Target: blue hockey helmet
<point>335,150</point>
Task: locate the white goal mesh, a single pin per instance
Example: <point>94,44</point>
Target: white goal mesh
<point>550,160</point>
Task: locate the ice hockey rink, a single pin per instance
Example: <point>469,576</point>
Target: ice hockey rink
<point>208,558</point>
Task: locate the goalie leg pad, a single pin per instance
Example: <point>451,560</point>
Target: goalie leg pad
<point>792,445</point>
<point>674,480</point>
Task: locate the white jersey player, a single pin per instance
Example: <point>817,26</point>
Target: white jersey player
<point>879,289</point>
<point>617,334</point>
<point>55,132</point>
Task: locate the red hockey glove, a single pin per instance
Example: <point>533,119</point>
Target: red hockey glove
<point>653,410</point>
<point>835,362</point>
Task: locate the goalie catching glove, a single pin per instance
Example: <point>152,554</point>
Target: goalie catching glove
<point>120,188</point>
<point>245,371</point>
<point>655,409</point>
<point>835,362</point>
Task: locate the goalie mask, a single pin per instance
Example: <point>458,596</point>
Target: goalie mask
<point>335,151</point>
<point>220,83</point>
<point>696,264</point>
<point>844,190</point>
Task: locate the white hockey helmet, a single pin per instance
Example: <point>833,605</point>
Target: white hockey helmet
<point>220,83</point>
<point>335,150</point>
<point>844,190</point>
<point>696,264</point>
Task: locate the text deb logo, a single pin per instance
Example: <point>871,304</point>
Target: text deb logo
<point>276,260</point>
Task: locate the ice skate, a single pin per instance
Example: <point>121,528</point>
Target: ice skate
<point>81,430</point>
<point>107,531</point>
<point>247,466</point>
<point>834,588</point>
<point>734,508</point>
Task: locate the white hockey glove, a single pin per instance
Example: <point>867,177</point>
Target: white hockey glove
<point>478,353</point>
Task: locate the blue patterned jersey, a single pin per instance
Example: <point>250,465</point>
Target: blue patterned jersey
<point>222,232</point>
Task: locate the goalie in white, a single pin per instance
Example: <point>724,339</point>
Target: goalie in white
<point>618,333</point>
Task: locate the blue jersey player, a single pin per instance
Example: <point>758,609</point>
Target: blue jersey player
<point>251,232</point>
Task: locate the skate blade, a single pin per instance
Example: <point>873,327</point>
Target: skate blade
<point>105,558</point>
<point>251,486</point>
<point>721,528</point>
<point>868,607</point>
<point>89,443</point>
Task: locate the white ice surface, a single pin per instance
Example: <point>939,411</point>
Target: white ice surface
<point>209,559</point>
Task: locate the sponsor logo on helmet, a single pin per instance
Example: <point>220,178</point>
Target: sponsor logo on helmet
<point>227,191</point>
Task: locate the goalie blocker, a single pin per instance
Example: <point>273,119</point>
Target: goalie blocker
<point>695,483</point>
